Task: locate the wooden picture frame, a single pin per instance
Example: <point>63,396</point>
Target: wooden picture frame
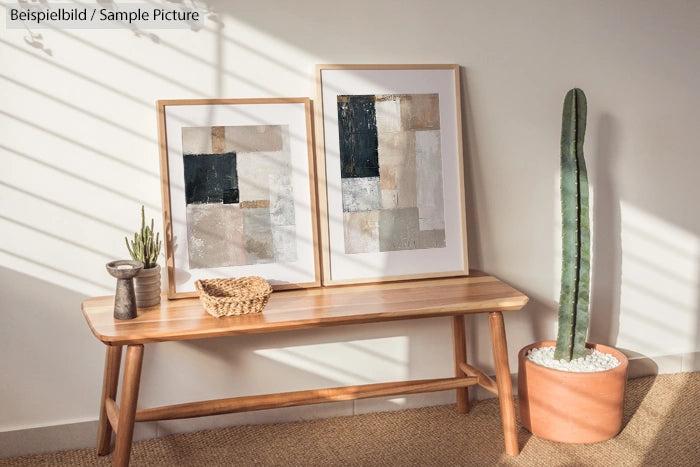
<point>239,191</point>
<point>390,172</point>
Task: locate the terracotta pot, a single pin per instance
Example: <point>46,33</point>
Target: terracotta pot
<point>147,287</point>
<point>571,407</point>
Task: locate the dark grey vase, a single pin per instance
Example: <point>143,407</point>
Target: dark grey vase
<point>124,298</point>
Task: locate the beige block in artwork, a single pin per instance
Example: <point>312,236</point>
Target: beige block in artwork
<point>361,231</point>
<point>260,138</point>
<point>387,176</point>
<point>215,235</point>
<point>196,140</point>
<point>218,140</point>
<point>390,199</point>
<point>397,167</point>
<point>256,204</point>
<point>420,112</point>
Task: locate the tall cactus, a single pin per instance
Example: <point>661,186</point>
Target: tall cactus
<point>576,234</point>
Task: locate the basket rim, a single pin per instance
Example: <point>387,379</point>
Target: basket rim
<point>210,288</point>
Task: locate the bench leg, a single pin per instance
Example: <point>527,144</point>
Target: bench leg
<point>127,409</point>
<point>109,391</point>
<point>460,351</point>
<point>503,382</point>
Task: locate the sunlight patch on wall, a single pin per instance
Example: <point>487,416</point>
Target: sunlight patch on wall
<point>77,170</point>
<point>368,361</point>
<point>46,236</point>
<point>660,284</point>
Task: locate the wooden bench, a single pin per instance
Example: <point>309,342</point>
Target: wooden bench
<point>186,319</point>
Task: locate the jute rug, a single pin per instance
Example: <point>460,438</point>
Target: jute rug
<point>661,428</point>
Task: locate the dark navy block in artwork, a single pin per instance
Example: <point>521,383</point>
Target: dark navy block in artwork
<point>211,178</point>
<point>357,127</point>
<point>230,196</point>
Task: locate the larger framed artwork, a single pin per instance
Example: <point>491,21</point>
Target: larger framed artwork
<point>390,171</point>
<point>238,191</point>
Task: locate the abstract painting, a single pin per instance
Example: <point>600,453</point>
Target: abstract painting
<point>239,191</point>
<point>240,202</point>
<point>390,158</point>
<point>391,172</point>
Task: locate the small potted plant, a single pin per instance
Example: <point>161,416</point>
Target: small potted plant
<point>572,391</point>
<point>145,247</point>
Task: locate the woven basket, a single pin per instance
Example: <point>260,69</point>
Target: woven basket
<point>226,297</point>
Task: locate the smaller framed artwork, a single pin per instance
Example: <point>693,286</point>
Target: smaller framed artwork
<point>238,185</point>
<point>390,171</point>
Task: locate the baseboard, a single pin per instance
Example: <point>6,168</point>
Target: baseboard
<point>641,365</point>
<point>59,438</point>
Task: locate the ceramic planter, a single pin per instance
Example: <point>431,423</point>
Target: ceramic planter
<point>147,287</point>
<point>571,407</point>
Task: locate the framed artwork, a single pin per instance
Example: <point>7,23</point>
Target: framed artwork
<point>390,171</point>
<point>238,186</point>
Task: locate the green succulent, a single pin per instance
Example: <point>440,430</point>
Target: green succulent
<point>145,247</point>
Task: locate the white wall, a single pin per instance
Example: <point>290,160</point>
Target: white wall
<point>79,156</point>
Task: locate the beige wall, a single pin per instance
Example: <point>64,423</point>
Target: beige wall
<point>79,157</point>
